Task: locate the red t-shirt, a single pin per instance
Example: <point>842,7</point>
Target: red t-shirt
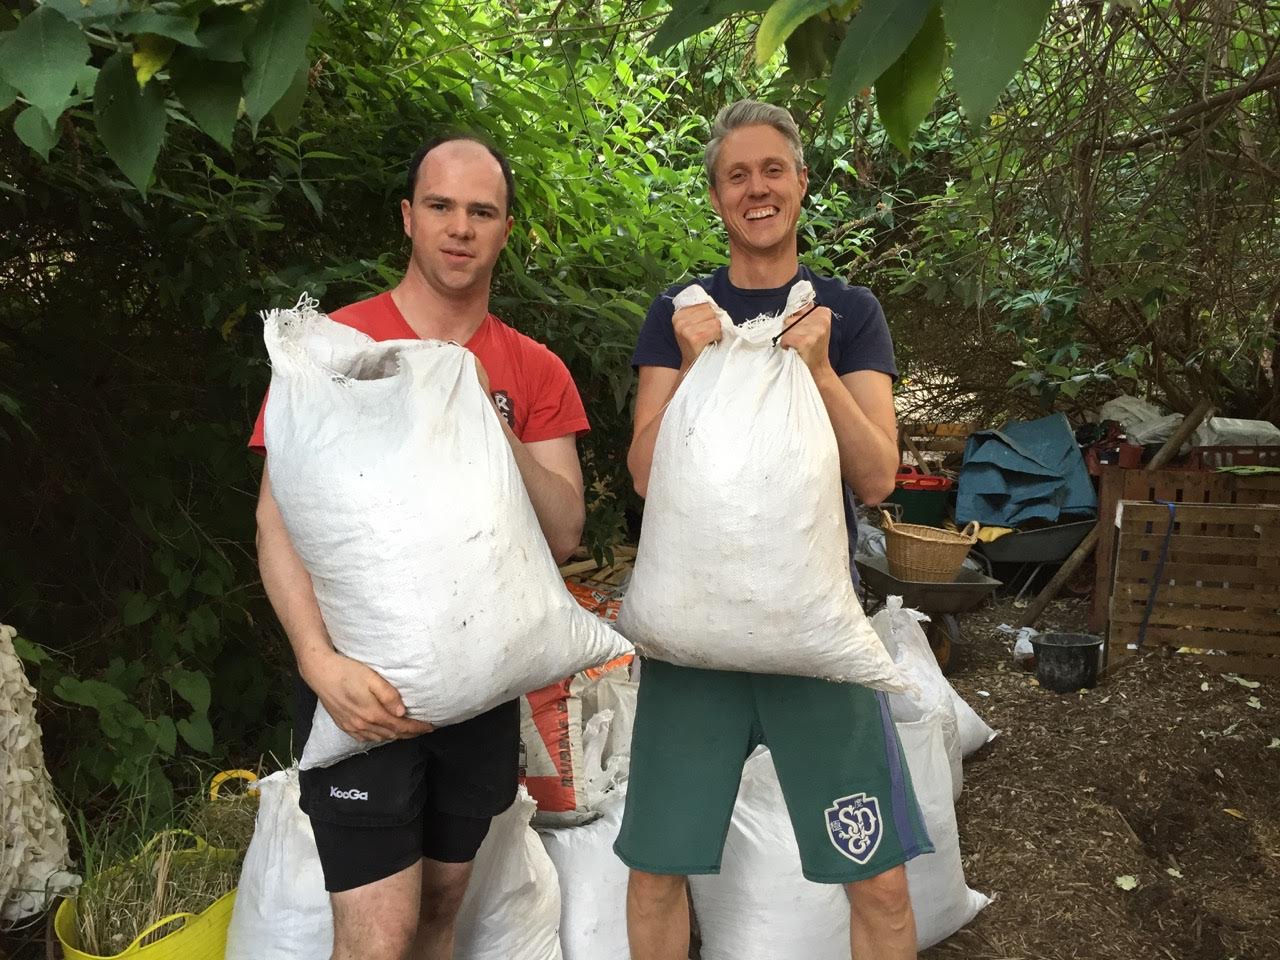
<point>531,386</point>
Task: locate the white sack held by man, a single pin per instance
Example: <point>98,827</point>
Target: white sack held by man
<point>743,562</point>
<point>402,496</point>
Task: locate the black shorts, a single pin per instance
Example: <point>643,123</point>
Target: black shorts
<point>433,796</point>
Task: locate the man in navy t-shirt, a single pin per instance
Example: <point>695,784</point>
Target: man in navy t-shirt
<point>858,351</point>
<point>832,744</point>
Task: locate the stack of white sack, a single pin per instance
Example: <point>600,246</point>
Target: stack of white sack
<point>511,909</point>
<point>593,881</point>
<point>760,906</point>
<point>743,561</point>
<point>402,496</point>
<point>963,730</point>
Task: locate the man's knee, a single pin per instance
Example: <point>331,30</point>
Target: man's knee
<point>654,891</point>
<point>884,899</point>
<point>443,887</point>
<point>386,936</point>
<point>377,921</point>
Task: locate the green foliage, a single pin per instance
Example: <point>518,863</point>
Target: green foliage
<point>983,67</point>
<point>150,61</point>
<point>898,46</point>
<point>905,91</point>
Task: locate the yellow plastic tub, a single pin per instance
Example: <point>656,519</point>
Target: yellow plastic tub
<point>194,936</point>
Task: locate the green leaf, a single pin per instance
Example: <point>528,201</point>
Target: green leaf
<point>78,12</point>
<point>877,37</point>
<point>781,21</point>
<point>197,732</point>
<point>313,198</point>
<point>274,51</point>
<point>181,29</point>
<point>693,16</point>
<point>43,58</point>
<point>906,91</point>
<point>210,91</point>
<point>203,624</point>
<point>7,93</point>
<point>130,120</point>
<point>209,583</point>
<point>192,687</point>
<point>28,651</point>
<point>150,54</point>
<point>222,35</point>
<point>137,609</point>
<point>34,130</point>
<point>163,734</point>
<point>289,107</point>
<point>88,693</point>
<point>991,39</point>
<point>179,581</point>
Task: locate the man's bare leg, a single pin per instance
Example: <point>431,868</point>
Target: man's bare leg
<point>379,920</point>
<point>443,887</point>
<point>657,917</point>
<point>881,923</point>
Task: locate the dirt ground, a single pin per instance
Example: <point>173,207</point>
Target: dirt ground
<point>1166,774</point>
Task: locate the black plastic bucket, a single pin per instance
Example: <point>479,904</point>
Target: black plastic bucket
<point>1066,662</point>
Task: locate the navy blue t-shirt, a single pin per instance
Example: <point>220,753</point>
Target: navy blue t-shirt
<point>859,334</point>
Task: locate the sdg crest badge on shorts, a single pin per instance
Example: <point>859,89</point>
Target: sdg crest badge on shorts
<point>854,826</point>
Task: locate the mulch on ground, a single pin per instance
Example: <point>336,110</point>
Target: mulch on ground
<point>1165,778</point>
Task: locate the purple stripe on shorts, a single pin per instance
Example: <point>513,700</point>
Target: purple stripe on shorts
<point>911,832</point>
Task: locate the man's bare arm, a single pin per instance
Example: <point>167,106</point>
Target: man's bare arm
<point>552,474</point>
<point>360,701</point>
<point>860,406</point>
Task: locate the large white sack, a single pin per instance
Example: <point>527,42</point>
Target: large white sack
<point>900,629</point>
<point>942,901</point>
<point>593,884</point>
<point>906,642</point>
<point>743,561</point>
<point>512,906</point>
<point>760,906</point>
<point>402,497</point>
<point>281,911</point>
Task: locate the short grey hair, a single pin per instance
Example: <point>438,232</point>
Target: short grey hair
<point>751,113</point>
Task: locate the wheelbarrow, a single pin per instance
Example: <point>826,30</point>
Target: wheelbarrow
<point>941,602</point>
<point>1036,549</point>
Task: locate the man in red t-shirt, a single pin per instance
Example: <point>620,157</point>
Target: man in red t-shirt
<point>397,827</point>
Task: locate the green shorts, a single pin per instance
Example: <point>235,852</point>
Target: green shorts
<point>839,762</point>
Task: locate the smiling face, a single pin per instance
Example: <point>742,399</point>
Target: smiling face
<point>457,221</point>
<point>758,192</point>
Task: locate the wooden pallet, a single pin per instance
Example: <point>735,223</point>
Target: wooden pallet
<point>1219,588</point>
<point>1176,486</point>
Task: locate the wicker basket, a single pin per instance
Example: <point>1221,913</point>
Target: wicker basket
<point>926,554</point>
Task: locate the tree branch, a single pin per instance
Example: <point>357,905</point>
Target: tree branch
<point>1177,122</point>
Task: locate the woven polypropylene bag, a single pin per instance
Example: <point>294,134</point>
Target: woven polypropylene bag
<point>33,837</point>
<point>401,494</point>
<point>743,561</point>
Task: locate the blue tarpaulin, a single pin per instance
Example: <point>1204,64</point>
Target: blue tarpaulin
<point>1024,471</point>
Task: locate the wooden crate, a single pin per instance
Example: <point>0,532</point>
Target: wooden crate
<point>1219,588</point>
<point>1176,486</point>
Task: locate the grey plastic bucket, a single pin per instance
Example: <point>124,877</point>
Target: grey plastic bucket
<point>1066,662</point>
